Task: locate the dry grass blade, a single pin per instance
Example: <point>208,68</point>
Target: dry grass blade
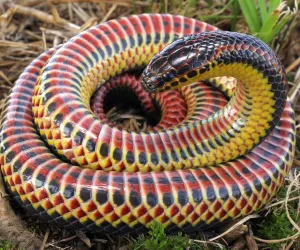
<point>127,3</point>
<point>296,162</point>
<point>294,182</point>
<point>108,14</point>
<point>130,116</point>
<point>62,240</point>
<point>294,92</point>
<point>281,202</point>
<point>30,3</point>
<point>210,243</point>
<point>20,45</point>
<point>2,74</point>
<point>84,238</point>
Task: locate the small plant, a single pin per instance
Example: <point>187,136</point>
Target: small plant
<point>158,240</point>
<point>6,245</point>
<point>277,225</point>
<point>266,21</point>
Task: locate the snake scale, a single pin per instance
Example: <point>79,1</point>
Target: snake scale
<point>204,163</point>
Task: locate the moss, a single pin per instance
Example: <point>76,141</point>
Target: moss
<point>277,225</point>
<point>158,240</point>
<point>7,245</point>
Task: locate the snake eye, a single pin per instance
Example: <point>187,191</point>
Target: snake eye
<point>150,85</point>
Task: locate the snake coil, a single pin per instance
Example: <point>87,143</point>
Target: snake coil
<point>193,170</point>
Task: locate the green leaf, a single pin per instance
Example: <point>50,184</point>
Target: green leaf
<point>190,3</point>
<point>279,26</point>
<point>263,10</point>
<point>266,30</point>
<point>274,23</point>
<point>251,15</point>
<point>273,4</point>
<point>235,7</point>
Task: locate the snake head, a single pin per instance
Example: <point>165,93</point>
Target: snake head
<point>173,62</point>
<point>158,74</point>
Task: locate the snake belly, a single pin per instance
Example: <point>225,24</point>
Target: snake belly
<point>54,93</point>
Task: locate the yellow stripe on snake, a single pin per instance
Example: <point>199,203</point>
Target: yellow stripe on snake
<point>205,162</point>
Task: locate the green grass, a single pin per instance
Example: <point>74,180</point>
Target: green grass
<point>268,19</point>
<point>6,245</point>
<point>156,239</point>
<point>277,225</point>
<point>265,19</point>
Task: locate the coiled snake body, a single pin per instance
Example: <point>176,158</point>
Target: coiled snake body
<point>48,129</point>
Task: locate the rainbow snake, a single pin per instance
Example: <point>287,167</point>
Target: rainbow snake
<point>207,161</point>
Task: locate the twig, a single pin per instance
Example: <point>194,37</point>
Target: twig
<point>290,245</point>
<point>44,39</point>
<point>279,240</point>
<point>286,203</point>
<point>89,23</point>
<point>234,234</point>
<point>293,65</point>
<point>111,10</point>
<point>63,240</point>
<point>295,90</point>
<point>35,45</point>
<point>293,237</point>
<point>70,11</point>
<point>129,116</point>
<point>110,239</point>
<point>281,202</point>
<point>54,12</point>
<point>84,238</point>
<point>250,240</point>
<point>32,34</point>
<point>80,12</point>
<point>251,216</point>
<point>207,242</point>
<point>30,3</point>
<point>110,112</point>
<point>5,77</point>
<point>43,16</point>
<point>45,239</point>
<point>55,33</point>
<point>127,3</point>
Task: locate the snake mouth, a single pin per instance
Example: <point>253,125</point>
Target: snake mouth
<point>122,102</point>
